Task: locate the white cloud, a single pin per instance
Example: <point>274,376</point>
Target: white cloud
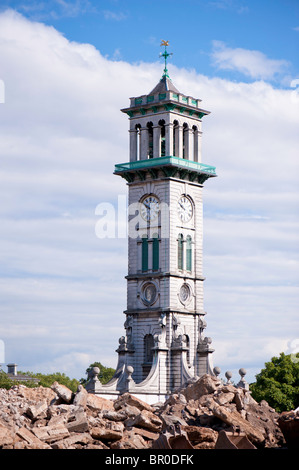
<point>63,290</point>
<point>253,64</point>
<point>54,9</point>
<point>113,15</point>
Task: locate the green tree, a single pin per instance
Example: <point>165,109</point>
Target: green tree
<point>106,373</point>
<point>5,381</point>
<point>278,383</point>
<point>44,380</point>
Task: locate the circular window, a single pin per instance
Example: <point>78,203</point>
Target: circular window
<point>149,293</point>
<point>184,293</point>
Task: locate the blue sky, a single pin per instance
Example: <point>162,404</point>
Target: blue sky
<point>131,30</point>
<point>67,68</point>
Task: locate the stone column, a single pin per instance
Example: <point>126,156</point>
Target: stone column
<point>133,145</point>
<point>180,142</point>
<point>197,145</point>
<point>156,141</point>
<point>169,139</point>
<point>189,147</point>
<point>144,141</point>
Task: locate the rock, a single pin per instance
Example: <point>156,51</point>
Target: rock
<point>130,440</point>
<point>35,410</point>
<point>77,421</point>
<point>146,419</point>
<point>67,443</point>
<point>81,397</point>
<point>128,399</point>
<point>35,394</point>
<point>130,410</point>
<point>233,418</point>
<point>7,437</point>
<point>111,431</point>
<point>60,419</point>
<point>97,403</point>
<point>145,433</point>
<point>205,385</point>
<point>224,398</point>
<point>51,433</point>
<point>31,439</point>
<point>171,420</point>
<point>115,415</point>
<point>63,392</point>
<point>197,434</point>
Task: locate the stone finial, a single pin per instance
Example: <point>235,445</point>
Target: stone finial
<point>242,383</point>
<point>129,379</point>
<point>217,371</point>
<point>228,375</point>
<point>93,374</point>
<point>129,370</point>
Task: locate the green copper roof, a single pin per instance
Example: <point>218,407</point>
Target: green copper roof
<point>165,161</point>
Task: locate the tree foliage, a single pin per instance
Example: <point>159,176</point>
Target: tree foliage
<point>5,381</point>
<point>44,380</point>
<point>278,383</point>
<point>106,373</point>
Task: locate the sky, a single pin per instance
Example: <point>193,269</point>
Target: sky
<point>66,70</point>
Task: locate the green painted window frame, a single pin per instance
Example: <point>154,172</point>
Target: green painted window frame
<point>188,253</point>
<point>144,255</point>
<point>155,252</point>
<point>180,251</point>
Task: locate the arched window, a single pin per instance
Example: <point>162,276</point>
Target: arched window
<point>188,349</point>
<point>180,251</point>
<point>144,256</point>
<point>162,124</point>
<point>150,139</point>
<point>138,127</point>
<point>155,252</point>
<point>195,143</point>
<point>188,253</point>
<point>175,138</point>
<point>185,140</point>
<point>148,344</point>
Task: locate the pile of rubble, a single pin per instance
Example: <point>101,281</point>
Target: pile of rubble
<point>57,418</point>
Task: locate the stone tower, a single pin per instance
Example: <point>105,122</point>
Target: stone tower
<point>164,343</point>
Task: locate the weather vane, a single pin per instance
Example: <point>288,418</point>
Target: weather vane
<point>165,54</point>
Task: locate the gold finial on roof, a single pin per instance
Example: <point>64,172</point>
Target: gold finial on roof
<point>165,55</point>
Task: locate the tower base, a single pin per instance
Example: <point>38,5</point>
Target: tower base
<point>169,372</point>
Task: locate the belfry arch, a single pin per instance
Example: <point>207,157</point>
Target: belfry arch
<point>150,139</point>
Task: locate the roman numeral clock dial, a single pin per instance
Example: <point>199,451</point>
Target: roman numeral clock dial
<point>149,208</point>
<point>185,209</point>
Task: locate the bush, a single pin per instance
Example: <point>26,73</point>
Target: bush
<point>5,381</point>
<point>278,383</point>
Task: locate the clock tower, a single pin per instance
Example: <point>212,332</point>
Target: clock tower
<point>164,344</point>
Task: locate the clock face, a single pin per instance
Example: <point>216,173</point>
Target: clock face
<point>185,209</point>
<point>149,208</point>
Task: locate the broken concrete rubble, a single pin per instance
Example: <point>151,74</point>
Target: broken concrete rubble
<point>57,418</point>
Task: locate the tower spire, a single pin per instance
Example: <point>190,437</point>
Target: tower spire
<point>165,54</point>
